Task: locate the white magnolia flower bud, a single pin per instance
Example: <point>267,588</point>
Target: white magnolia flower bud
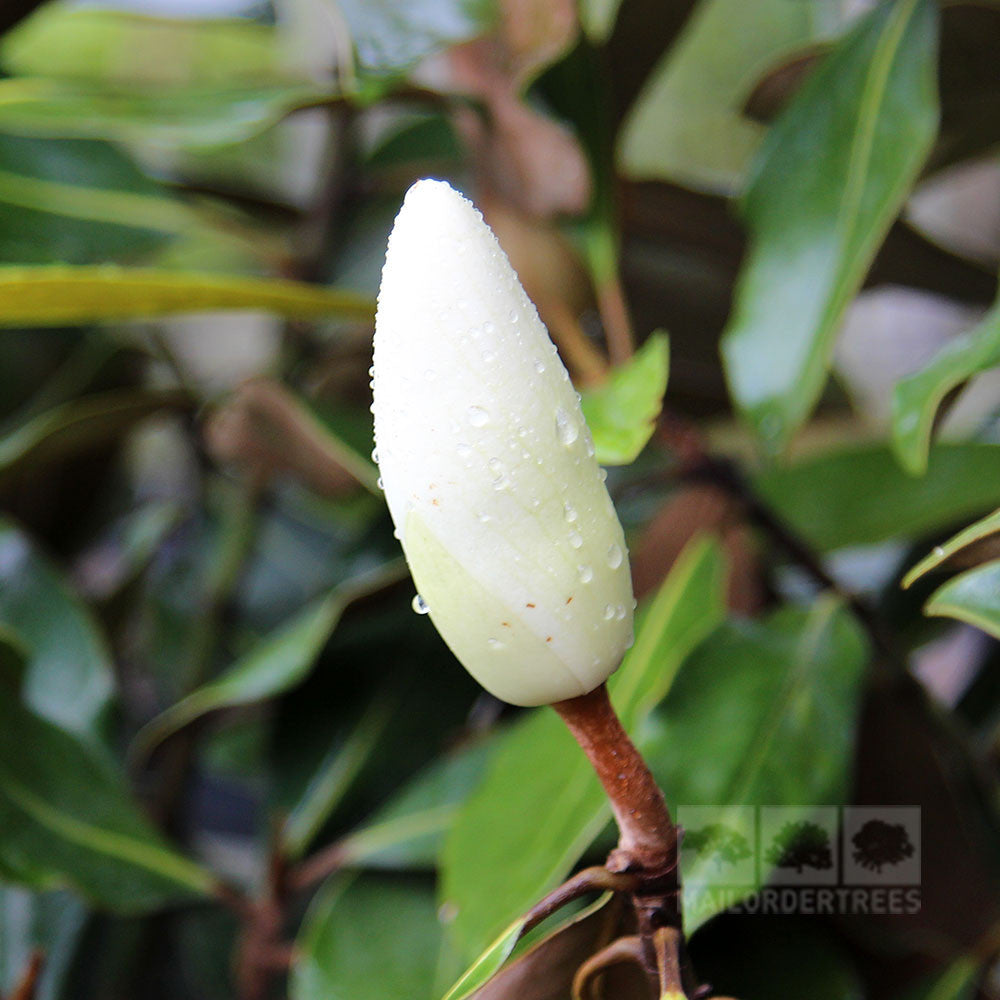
<point>488,466</point>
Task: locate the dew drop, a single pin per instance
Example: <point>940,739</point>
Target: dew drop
<point>496,467</point>
<point>375,455</point>
<point>620,612</point>
<point>489,328</point>
<point>585,573</point>
<point>615,556</point>
<point>604,475</point>
<point>489,357</point>
<point>478,417</point>
<point>609,612</point>
<point>938,551</point>
<point>539,367</point>
<point>494,644</point>
<point>463,451</point>
<point>513,316</point>
<point>575,539</point>
<point>419,605</point>
<point>569,512</point>
<point>566,429</point>
<point>483,517</point>
<point>379,483</point>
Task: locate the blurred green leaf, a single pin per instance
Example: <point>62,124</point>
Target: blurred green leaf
<point>409,830</point>
<point>69,821</point>
<point>368,938</point>
<point>80,202</point>
<point>65,41</point>
<point>916,398</point>
<point>390,37</point>
<point>859,496</point>
<point>688,124</point>
<point>957,982</point>
<point>69,676</point>
<point>54,296</point>
<point>982,528</point>
<point>540,806</point>
<point>832,174</point>
<point>278,662</point>
<point>763,713</point>
<point>335,775</point>
<point>82,423</point>
<point>972,597</point>
<point>48,922</point>
<point>622,412</point>
<point>195,117</point>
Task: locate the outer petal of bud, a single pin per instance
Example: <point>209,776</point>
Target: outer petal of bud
<point>488,466</point>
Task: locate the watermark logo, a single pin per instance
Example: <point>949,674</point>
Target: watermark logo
<point>794,860</point>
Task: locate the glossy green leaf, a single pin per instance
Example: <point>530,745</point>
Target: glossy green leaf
<point>196,117</point>
<point>688,125</point>
<point>540,806</point>
<point>391,37</point>
<point>831,177</point>
<point>275,664</point>
<point>982,528</point>
<point>50,922</point>
<point>972,597</point>
<point>368,938</point>
<point>56,296</point>
<point>859,496</point>
<point>763,713</point>
<point>488,964</point>
<point>69,821</point>
<point>622,412</point>
<point>80,202</point>
<point>916,398</point>
<point>82,423</point>
<point>69,676</point>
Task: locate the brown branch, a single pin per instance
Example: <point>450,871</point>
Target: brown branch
<point>27,987</point>
<point>597,879</point>
<point>648,841</point>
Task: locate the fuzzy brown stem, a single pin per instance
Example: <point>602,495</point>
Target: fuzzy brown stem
<point>648,840</point>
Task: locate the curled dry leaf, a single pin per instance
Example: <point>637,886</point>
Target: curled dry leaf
<point>264,427</point>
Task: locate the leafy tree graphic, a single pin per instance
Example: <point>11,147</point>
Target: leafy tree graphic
<point>800,845</point>
<point>878,843</point>
<point>726,845</point>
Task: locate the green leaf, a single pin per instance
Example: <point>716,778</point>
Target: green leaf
<point>409,830</point>
<point>68,820</point>
<point>82,423</point>
<point>49,922</point>
<point>65,41</point>
<point>982,528</point>
<point>80,203</point>
<point>540,806</point>
<point>368,938</point>
<point>488,964</point>
<point>56,296</point>
<point>763,713</point>
<point>859,495</point>
<point>957,982</point>
<point>68,677</point>
<point>831,177</point>
<point>972,597</point>
<point>390,37</point>
<point>916,398</point>
<point>622,413</point>
<point>687,125</point>
<point>334,777</point>
<point>194,117</point>
<point>277,663</point>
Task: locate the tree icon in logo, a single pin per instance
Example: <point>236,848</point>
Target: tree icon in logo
<point>878,843</point>
<point>801,845</point>
<point>719,842</point>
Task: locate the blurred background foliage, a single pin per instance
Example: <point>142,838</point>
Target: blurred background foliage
<point>233,762</point>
